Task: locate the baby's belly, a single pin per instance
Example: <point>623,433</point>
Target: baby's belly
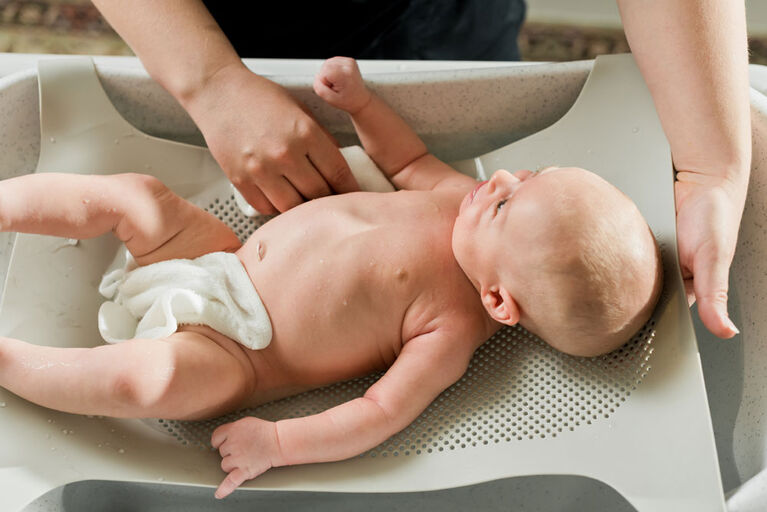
<point>337,284</point>
<point>319,343</point>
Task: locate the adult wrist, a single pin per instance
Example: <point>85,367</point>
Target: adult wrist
<point>206,84</point>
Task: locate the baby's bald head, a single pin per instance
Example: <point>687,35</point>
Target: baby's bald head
<point>595,274</point>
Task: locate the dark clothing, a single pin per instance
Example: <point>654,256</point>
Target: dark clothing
<point>373,29</point>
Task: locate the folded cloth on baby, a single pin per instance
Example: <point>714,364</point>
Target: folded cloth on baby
<point>369,177</point>
<point>153,300</point>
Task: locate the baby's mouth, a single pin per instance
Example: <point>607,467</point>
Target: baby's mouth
<point>476,189</point>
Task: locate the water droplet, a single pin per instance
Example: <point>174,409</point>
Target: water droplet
<point>635,129</point>
<point>160,479</point>
<point>117,141</point>
<point>53,448</point>
<point>121,451</point>
<point>2,404</point>
<point>64,431</point>
<point>86,201</point>
<point>53,140</point>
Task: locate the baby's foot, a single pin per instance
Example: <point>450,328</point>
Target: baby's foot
<point>339,83</point>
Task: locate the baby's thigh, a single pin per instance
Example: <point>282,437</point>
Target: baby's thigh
<point>207,376</point>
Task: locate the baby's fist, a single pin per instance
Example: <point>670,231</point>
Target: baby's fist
<point>339,83</point>
<point>248,447</point>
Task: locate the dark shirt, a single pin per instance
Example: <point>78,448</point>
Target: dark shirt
<point>373,29</point>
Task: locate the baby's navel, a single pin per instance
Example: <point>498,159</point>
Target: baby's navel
<point>260,250</point>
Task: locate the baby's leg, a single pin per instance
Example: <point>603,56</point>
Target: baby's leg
<point>184,376</point>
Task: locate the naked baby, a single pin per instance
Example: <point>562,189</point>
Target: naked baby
<point>411,282</point>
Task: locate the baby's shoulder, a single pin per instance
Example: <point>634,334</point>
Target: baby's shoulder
<point>462,324</point>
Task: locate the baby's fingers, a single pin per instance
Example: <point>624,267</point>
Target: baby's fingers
<point>232,481</point>
<point>219,436</point>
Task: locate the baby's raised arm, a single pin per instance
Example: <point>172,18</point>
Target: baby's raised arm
<point>154,223</point>
<point>427,365</point>
<point>386,137</point>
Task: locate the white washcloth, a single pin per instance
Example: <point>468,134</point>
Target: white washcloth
<point>152,301</point>
<point>369,177</point>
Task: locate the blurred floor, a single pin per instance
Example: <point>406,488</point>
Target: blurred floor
<point>75,26</point>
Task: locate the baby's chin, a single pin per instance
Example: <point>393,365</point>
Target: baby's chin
<point>464,203</point>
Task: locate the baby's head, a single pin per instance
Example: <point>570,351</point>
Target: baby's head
<point>562,252</point>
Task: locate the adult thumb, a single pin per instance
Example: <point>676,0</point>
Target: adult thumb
<point>711,281</point>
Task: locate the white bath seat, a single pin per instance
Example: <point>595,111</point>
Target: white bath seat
<point>636,419</point>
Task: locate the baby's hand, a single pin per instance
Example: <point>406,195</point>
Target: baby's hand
<point>248,447</point>
<point>339,83</point>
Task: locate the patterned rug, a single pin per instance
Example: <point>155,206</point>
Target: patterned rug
<point>75,26</point>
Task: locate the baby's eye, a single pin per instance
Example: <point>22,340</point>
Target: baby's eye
<point>500,204</point>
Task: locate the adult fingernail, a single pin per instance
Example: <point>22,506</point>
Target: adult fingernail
<point>732,326</point>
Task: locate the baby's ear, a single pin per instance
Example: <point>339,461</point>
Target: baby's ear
<point>500,305</point>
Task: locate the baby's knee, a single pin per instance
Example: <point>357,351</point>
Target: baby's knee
<point>145,383</point>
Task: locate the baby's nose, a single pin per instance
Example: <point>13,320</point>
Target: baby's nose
<point>499,178</point>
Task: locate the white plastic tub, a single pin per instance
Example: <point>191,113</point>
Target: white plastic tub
<point>460,113</point>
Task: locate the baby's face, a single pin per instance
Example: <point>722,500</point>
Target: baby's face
<point>501,224</point>
<point>555,245</point>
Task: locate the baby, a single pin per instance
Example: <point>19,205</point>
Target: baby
<point>412,282</point>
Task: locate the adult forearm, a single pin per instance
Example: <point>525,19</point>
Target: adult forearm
<point>693,55</point>
<point>178,41</point>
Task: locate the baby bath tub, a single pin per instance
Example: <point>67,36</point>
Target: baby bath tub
<point>460,113</point>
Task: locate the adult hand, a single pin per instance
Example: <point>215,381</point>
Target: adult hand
<point>709,209</point>
<point>267,143</point>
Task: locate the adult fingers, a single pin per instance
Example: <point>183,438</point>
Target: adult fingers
<point>232,481</point>
<point>254,196</point>
<point>308,181</point>
<point>689,291</point>
<point>710,282</point>
<point>327,159</point>
<point>281,192</point>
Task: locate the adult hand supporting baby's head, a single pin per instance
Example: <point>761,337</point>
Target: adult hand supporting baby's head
<point>709,210</point>
<point>267,143</point>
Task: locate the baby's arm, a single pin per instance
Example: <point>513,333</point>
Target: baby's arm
<point>386,137</point>
<point>427,365</point>
<point>153,222</point>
